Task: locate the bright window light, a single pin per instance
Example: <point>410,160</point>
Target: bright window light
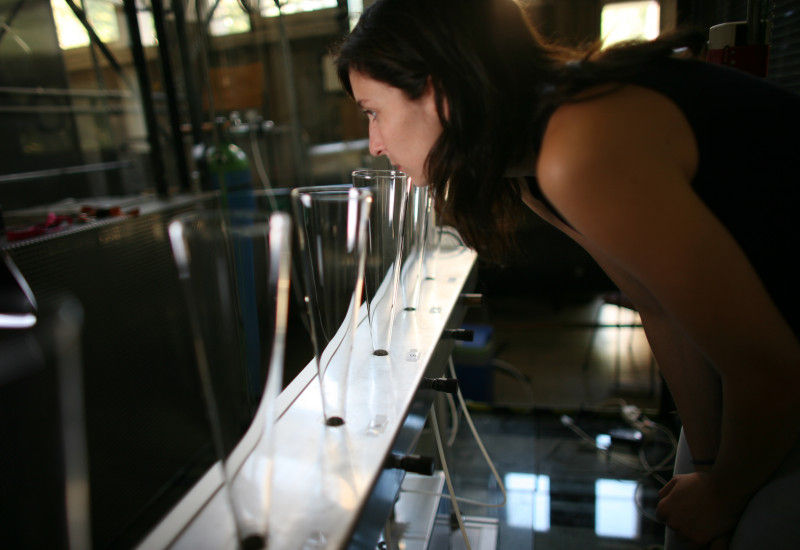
<point>612,314</point>
<point>528,497</point>
<point>269,8</point>
<point>354,9</point>
<point>615,509</point>
<point>228,18</point>
<point>147,28</point>
<point>102,16</point>
<point>634,20</point>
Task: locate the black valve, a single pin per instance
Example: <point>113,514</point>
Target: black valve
<point>446,385</point>
<point>463,334</point>
<point>423,465</point>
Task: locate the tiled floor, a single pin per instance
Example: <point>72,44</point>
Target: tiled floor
<point>546,364</point>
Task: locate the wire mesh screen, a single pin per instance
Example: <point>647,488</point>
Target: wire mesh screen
<point>146,425</point>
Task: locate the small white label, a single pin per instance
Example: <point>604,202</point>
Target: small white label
<point>378,424</point>
<point>412,355</point>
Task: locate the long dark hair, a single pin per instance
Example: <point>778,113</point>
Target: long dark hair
<point>500,81</point>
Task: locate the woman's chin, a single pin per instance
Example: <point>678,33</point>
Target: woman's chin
<point>418,181</point>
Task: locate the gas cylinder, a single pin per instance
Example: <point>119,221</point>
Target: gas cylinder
<point>229,172</point>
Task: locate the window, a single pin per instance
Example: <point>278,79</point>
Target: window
<point>354,9</point>
<point>295,6</point>
<point>102,15</point>
<point>228,18</point>
<point>621,21</point>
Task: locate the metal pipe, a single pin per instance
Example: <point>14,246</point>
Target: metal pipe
<point>754,22</point>
<point>68,109</point>
<point>297,143</point>
<point>114,94</point>
<point>81,15</point>
<point>10,19</point>
<point>189,78</point>
<point>172,97</point>
<point>151,122</point>
<point>55,172</point>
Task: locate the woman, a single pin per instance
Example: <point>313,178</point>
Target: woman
<point>677,176</point>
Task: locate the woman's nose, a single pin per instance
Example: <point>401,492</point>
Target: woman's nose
<point>376,147</point>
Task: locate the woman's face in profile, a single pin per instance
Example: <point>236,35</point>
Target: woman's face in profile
<point>403,129</point>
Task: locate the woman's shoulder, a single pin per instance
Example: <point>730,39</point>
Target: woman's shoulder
<point>613,111</point>
<point>612,129</point>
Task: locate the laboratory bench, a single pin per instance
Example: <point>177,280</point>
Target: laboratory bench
<point>334,486</point>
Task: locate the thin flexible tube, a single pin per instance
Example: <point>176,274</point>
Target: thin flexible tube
<point>485,454</point>
<point>645,467</point>
<point>453,498</point>
<point>478,440</point>
<point>511,370</point>
<point>455,416</point>
<point>262,172</point>
<point>387,534</point>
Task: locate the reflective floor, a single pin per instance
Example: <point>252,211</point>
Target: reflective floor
<point>546,390</point>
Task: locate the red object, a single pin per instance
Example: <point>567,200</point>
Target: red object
<point>751,59</point>
<point>52,224</point>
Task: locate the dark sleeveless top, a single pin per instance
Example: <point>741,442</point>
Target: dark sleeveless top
<point>748,138</point>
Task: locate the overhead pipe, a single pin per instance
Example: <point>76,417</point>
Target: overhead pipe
<point>184,180</point>
<point>151,122</point>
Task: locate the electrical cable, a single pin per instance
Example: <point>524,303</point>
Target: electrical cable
<point>648,471</point>
<point>508,368</point>
<point>661,466</point>
<point>6,26</point>
<point>387,534</point>
<point>611,401</point>
<point>481,447</point>
<point>455,415</point>
<point>447,479</point>
<point>478,440</point>
<point>641,465</point>
<point>262,172</point>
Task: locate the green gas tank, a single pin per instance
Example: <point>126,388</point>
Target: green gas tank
<point>229,173</point>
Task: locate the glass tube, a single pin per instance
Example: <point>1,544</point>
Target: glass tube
<point>331,225</point>
<point>234,267</point>
<point>384,250</point>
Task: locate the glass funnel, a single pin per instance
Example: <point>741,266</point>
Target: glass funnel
<point>384,250</point>
<point>331,225</point>
<point>234,268</point>
<point>414,247</point>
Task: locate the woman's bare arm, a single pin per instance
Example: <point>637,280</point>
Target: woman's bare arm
<point>618,168</point>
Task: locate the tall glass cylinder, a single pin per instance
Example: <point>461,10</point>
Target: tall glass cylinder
<point>234,267</point>
<point>433,239</point>
<point>331,227</point>
<point>384,250</point>
<point>414,247</point>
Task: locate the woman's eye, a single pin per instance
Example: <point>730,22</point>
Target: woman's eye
<point>370,114</point>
